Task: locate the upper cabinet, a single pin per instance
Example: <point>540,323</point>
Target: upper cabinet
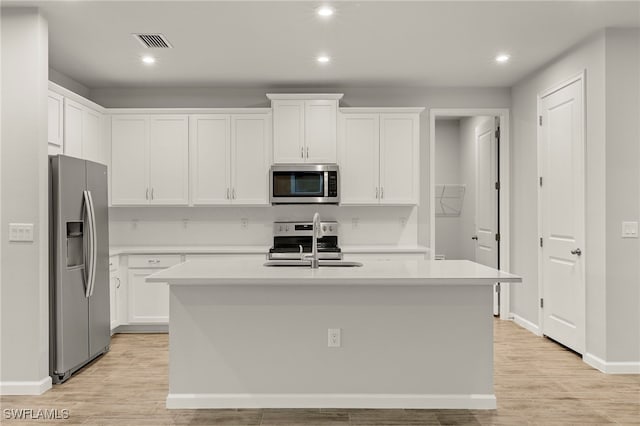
<point>55,108</point>
<point>379,155</point>
<point>149,159</point>
<point>75,126</point>
<point>304,127</point>
<point>230,158</point>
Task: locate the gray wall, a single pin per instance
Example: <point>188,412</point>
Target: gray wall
<point>611,65</point>
<point>454,97</point>
<point>24,349</point>
<point>622,61</point>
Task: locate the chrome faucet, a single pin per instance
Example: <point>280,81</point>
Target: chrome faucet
<point>314,241</point>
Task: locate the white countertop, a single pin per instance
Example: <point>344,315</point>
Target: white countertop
<point>257,249</point>
<point>409,272</point>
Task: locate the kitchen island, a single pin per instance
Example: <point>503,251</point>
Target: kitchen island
<point>413,334</point>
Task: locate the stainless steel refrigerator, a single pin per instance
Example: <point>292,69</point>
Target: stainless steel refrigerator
<point>78,264</point>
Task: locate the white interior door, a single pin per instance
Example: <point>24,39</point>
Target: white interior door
<point>487,199</point>
<point>561,143</point>
<point>210,141</point>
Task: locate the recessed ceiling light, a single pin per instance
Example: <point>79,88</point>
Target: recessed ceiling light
<point>325,11</point>
<point>323,59</point>
<point>148,60</point>
<point>502,58</point>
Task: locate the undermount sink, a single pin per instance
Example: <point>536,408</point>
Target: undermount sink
<point>307,263</point>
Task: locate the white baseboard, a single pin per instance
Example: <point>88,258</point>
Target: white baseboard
<point>526,324</point>
<point>611,367</point>
<point>25,388</point>
<point>409,401</point>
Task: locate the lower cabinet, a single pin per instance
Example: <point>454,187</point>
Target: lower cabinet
<point>115,293</point>
<point>148,302</point>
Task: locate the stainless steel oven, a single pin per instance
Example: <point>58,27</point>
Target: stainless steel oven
<point>304,184</point>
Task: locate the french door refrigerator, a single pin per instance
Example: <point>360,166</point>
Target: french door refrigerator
<point>78,264</point>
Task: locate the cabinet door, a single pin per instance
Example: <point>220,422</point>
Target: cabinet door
<point>288,131</point>
<point>55,107</point>
<point>399,139</point>
<point>250,158</point>
<point>148,302</point>
<point>114,289</point>
<point>169,159</point>
<point>359,158</point>
<point>129,173</point>
<point>320,132</point>
<point>90,134</point>
<point>210,145</point>
<point>72,128</point>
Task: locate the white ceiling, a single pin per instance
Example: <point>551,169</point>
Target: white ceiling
<point>371,43</point>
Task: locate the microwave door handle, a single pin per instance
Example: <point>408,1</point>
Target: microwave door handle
<point>326,184</point>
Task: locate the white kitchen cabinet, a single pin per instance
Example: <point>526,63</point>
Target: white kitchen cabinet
<point>72,128</point>
<point>304,128</point>
<point>82,130</point>
<point>149,160</point>
<point>230,158</point>
<point>148,302</point>
<point>129,174</point>
<point>379,156</point>
<point>169,160</point>
<point>55,134</point>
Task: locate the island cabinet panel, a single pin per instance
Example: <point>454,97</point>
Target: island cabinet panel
<point>379,158</point>
<point>304,131</point>
<point>230,158</point>
<point>149,160</point>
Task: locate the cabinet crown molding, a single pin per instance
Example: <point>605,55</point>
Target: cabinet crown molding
<point>365,110</point>
<point>305,96</point>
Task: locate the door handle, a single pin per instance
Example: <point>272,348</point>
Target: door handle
<point>307,152</point>
<point>94,245</point>
<point>301,152</point>
<point>233,193</point>
<point>152,193</point>
<point>377,193</point>
<point>475,237</point>
<point>577,252</point>
<point>118,280</point>
<point>146,194</point>
<point>381,192</point>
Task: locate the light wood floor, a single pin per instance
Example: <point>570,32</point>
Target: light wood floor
<point>536,382</point>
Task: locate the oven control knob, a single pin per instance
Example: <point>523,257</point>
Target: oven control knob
<point>280,228</point>
<point>324,228</point>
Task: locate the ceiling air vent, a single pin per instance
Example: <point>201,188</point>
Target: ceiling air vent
<point>155,41</point>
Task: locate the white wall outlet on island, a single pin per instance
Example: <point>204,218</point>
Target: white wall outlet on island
<point>334,338</point>
<point>355,222</point>
<point>244,223</point>
<point>629,229</point>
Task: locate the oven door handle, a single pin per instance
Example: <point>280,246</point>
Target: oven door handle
<point>326,183</point>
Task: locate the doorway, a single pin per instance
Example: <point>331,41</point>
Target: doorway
<point>469,190</point>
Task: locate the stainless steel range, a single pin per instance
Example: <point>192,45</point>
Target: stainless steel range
<point>293,239</point>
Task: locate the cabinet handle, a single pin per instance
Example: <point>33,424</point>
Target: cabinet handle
<point>118,280</point>
<point>377,193</point>
<point>301,152</point>
<point>227,196</point>
<point>307,152</point>
<point>233,193</point>
<point>152,193</point>
<point>146,194</point>
<point>381,192</point>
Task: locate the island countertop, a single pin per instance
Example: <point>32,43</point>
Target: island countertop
<point>408,272</point>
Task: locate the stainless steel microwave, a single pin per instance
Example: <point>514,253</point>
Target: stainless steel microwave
<point>304,184</point>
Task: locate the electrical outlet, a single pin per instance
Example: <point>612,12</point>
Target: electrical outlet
<point>355,222</point>
<point>629,229</point>
<point>244,223</point>
<point>334,338</point>
<point>403,221</point>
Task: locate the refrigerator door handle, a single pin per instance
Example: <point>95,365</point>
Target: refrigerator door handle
<point>87,246</point>
<point>94,245</point>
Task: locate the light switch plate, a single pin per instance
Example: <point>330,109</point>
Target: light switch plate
<point>22,232</point>
<point>629,229</point>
